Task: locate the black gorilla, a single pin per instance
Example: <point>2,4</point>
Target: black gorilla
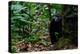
<point>70,18</point>
<point>55,27</point>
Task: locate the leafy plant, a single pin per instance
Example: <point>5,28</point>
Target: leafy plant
<point>32,39</point>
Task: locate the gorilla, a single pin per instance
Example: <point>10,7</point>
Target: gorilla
<point>55,28</point>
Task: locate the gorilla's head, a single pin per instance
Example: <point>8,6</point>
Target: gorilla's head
<point>56,17</point>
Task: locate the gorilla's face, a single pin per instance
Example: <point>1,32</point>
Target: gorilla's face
<point>56,18</point>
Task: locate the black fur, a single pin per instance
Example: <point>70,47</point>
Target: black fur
<point>55,26</point>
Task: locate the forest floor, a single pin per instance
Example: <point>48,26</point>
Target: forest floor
<point>44,46</point>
